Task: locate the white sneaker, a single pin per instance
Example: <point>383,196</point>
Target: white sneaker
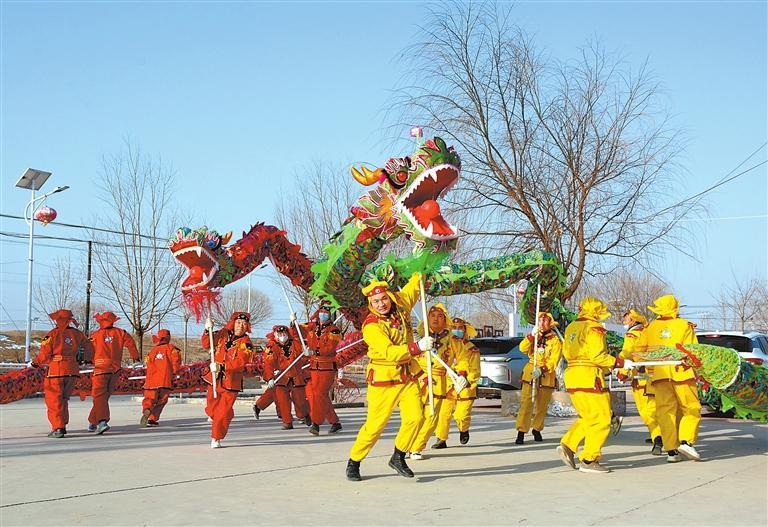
<point>210,420</point>
<point>215,443</point>
<point>689,452</point>
<point>416,456</point>
<point>594,468</point>
<point>673,458</point>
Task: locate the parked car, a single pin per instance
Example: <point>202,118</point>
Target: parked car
<point>751,345</point>
<point>501,362</point>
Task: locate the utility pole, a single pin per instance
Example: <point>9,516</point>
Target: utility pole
<point>88,289</point>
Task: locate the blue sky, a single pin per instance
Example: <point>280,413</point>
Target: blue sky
<point>240,96</point>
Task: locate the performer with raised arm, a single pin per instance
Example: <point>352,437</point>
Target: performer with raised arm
<point>678,410</point>
<point>322,336</point>
<point>549,352</point>
<point>63,349</point>
<point>232,355</point>
<point>588,359</point>
<point>391,373</point>
<point>459,404</point>
<point>450,350</point>
<point>163,361</point>
<point>108,343</point>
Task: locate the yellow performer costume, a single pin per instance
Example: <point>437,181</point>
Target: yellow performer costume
<point>450,350</point>
<point>459,405</point>
<point>674,387</point>
<point>642,390</point>
<point>391,375</point>
<point>586,351</point>
<point>548,355</point>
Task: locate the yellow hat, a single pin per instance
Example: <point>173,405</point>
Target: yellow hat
<point>375,287</point>
<point>665,306</point>
<point>550,317</point>
<point>636,316</point>
<point>591,307</point>
<point>469,330</point>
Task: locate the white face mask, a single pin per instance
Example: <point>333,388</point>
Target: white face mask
<point>627,326</point>
<point>282,339</point>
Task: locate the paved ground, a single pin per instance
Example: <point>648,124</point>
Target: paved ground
<point>266,476</point>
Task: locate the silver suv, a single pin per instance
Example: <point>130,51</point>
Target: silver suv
<point>751,345</point>
<point>501,362</point>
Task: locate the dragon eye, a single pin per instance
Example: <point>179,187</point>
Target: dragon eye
<point>212,243</point>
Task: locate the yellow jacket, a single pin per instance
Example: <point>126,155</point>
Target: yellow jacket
<point>550,351</point>
<point>668,331</point>
<point>390,340</point>
<point>587,355</point>
<point>467,364</point>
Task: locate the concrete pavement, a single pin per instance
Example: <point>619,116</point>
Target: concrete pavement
<point>267,476</point>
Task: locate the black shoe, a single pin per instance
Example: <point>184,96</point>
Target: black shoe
<point>439,444</point>
<point>307,421</point>
<point>335,427</point>
<point>464,437</point>
<point>287,426</point>
<point>58,433</point>
<point>353,470</point>
<point>537,436</point>
<point>152,424</point>
<point>397,462</point>
<point>314,429</point>
<point>657,446</point>
<point>649,441</point>
<point>256,411</point>
<point>520,438</point>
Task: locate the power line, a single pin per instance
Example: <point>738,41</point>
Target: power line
<point>90,228</point>
<point>24,236</point>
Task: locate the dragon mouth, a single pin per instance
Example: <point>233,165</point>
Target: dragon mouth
<point>420,204</point>
<point>200,263</point>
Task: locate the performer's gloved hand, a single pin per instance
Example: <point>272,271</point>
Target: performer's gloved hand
<point>270,384</point>
<point>208,324</point>
<point>460,383</point>
<point>626,364</point>
<point>31,364</point>
<point>307,352</point>
<point>536,373</point>
<point>426,343</point>
<point>215,367</point>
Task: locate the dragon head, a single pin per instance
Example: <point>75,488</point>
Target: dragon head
<point>201,251</point>
<point>405,199</point>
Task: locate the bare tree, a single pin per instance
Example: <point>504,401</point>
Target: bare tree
<point>624,289</point>
<point>64,290</point>
<point>745,304</point>
<point>572,157</point>
<point>236,299</point>
<point>135,270</point>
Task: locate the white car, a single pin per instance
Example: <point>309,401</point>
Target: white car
<point>751,345</point>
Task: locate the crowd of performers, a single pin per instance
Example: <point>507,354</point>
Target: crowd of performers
<point>299,370</point>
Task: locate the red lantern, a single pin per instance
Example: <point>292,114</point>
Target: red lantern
<point>45,215</point>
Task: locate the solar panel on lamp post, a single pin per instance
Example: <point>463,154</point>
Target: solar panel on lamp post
<point>32,180</point>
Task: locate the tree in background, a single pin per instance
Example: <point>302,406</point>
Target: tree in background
<point>624,289</point>
<point>134,269</point>
<point>744,305</point>
<point>572,157</point>
<point>64,290</point>
<point>236,299</point>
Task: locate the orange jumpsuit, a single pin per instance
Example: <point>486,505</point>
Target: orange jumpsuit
<point>61,349</point>
<point>163,361</point>
<point>108,343</point>
<point>322,341</point>
<point>290,387</point>
<point>234,353</point>
<point>225,334</point>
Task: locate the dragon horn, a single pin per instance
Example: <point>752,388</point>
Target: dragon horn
<point>367,177</point>
<point>225,238</point>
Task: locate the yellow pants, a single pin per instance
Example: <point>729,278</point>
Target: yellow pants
<point>543,396</point>
<point>458,409</point>
<point>677,403</point>
<point>429,424</point>
<point>646,407</point>
<point>592,426</point>
<point>382,401</point>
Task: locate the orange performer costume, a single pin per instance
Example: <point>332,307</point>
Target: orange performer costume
<point>232,355</point>
<point>163,361</point>
<point>226,333</point>
<point>281,350</point>
<point>108,343</point>
<point>322,338</point>
<point>61,349</point>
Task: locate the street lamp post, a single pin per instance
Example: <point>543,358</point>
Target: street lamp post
<point>32,180</point>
